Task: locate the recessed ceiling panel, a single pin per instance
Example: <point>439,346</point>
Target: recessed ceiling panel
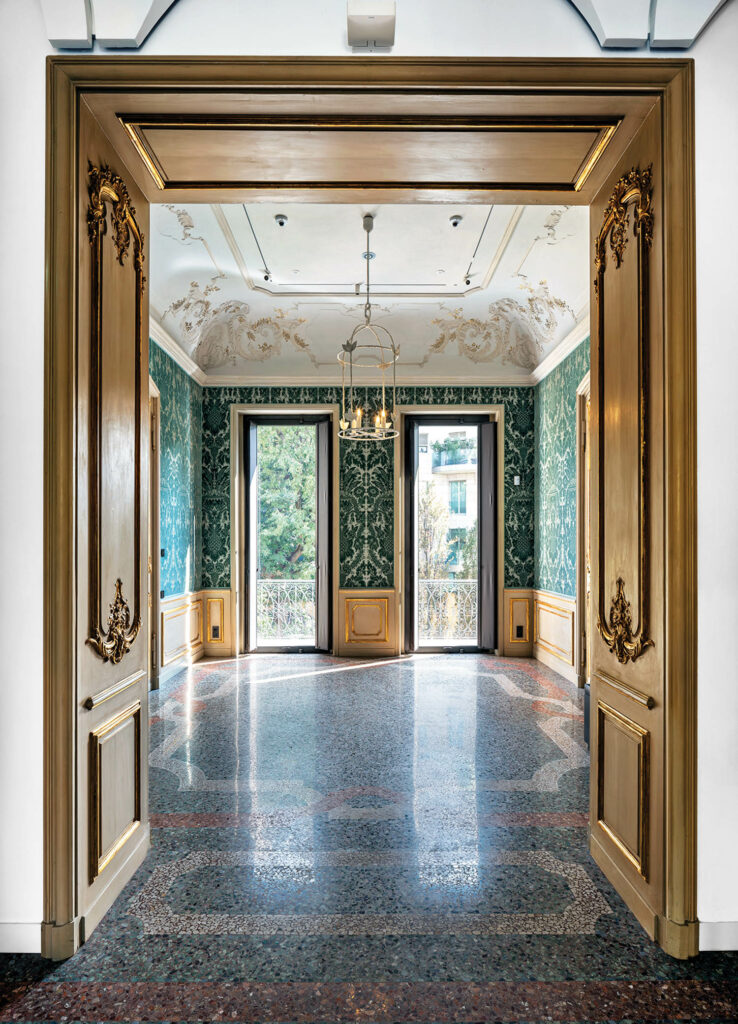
<point>318,248</point>
<point>371,153</point>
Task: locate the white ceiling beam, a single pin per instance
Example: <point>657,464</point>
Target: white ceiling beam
<point>617,23</point>
<point>126,25</point>
<point>68,23</point>
<point>677,23</point>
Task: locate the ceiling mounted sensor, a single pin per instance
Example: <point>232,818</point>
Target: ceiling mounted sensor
<point>371,22</point>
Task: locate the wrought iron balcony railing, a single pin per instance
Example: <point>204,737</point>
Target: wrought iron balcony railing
<point>447,611</point>
<point>285,611</point>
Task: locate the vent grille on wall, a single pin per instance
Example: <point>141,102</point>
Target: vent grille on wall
<point>371,22</point>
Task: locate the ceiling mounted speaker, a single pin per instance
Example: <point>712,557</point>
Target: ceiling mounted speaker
<point>371,22</point>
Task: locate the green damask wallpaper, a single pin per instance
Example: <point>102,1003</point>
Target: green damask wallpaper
<point>180,474</point>
<point>366,480</point>
<point>556,474</point>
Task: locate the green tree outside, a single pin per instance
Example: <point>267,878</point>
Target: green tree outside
<point>286,457</point>
<point>470,554</point>
<point>432,535</point>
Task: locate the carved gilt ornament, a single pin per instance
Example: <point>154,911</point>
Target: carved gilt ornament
<point>633,193</point>
<point>115,638</point>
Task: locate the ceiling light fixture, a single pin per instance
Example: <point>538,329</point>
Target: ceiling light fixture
<point>370,347</point>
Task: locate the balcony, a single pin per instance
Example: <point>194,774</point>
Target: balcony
<point>447,612</point>
<point>453,458</point>
<point>285,613</point>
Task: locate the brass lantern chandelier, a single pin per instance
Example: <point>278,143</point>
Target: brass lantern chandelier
<point>370,347</point>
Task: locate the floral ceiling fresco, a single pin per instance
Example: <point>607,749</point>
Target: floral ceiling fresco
<point>479,295</point>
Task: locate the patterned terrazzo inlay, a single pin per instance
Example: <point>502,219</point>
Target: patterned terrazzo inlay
<point>378,841</point>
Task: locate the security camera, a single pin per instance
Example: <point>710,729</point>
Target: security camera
<point>456,220</point>
<point>281,219</point>
<point>467,281</point>
<point>267,277</point>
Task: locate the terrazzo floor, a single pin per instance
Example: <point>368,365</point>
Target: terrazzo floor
<point>399,841</point>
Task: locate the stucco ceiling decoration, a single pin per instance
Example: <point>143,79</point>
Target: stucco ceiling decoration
<point>484,299</point>
<point>513,333</point>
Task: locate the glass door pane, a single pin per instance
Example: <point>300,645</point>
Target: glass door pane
<point>447,535</point>
<point>286,541</point>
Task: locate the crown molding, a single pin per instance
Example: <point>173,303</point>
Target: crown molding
<point>241,380</point>
<point>574,338</point>
<point>165,341</point>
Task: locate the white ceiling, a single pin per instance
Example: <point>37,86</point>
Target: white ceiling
<point>527,268</point>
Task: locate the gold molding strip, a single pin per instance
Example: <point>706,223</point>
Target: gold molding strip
<point>113,641</point>
<point>639,859</point>
<point>633,189</point>
<point>562,613</point>
<point>526,602</point>
<point>208,626</point>
<point>136,124</point>
<point>363,602</point>
<point>594,155</point>
<point>112,691</point>
<point>167,614</point>
<point>99,858</point>
<point>644,700</point>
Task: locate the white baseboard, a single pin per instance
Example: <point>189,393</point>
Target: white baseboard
<point>20,936</point>
<point>718,936</point>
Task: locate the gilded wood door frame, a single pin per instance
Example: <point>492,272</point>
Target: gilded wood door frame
<point>72,81</point>
<point>155,531</point>
<point>583,442</point>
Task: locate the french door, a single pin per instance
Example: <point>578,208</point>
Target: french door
<point>288,530</point>
<point>450,533</point>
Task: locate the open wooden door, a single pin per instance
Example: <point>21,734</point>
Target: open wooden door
<point>107,834</point>
<point>631,746</point>
<point>113,431</point>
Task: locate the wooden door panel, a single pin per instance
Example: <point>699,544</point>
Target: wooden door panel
<point>623,769</point>
<point>112,482</point>
<point>627,528</point>
<point>115,786</point>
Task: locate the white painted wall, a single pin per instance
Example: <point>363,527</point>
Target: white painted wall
<point>22,204</point>
<point>424,27</point>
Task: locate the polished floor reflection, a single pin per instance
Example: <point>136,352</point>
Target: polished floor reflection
<point>380,841</point>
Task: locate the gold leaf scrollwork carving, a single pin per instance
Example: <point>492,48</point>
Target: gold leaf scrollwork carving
<point>115,641</point>
<point>103,183</point>
<point>634,188</point>
<point>111,641</point>
<point>633,192</point>
<point>618,631</point>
